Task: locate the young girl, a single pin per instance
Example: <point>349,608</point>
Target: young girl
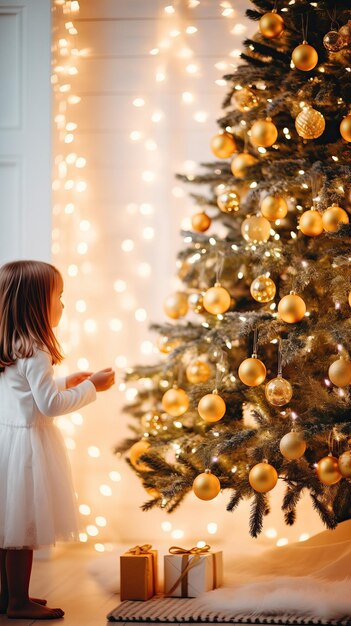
<point>37,500</point>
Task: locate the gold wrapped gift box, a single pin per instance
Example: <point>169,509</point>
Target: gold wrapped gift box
<point>138,573</point>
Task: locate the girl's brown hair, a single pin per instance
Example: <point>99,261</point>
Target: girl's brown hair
<point>26,289</point>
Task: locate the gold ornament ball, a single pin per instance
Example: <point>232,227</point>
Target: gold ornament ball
<point>333,41</point>
<point>311,223</point>
<point>196,302</point>
<point>223,145</point>
<point>206,486</point>
<point>228,201</point>
<point>271,25</point>
<point>217,300</point>
<point>252,372</point>
<point>305,57</point>
<point>310,123</point>
<point>241,163</point>
<point>332,217</point>
<point>151,420</point>
<point>198,371</point>
<point>291,308</point>
<point>340,372</point>
<point>136,451</point>
<point>263,289</point>
<point>175,402</point>
<point>211,407</point>
<point>176,305</point>
<point>245,99</point>
<point>263,477</point>
<point>166,345</point>
<point>328,470</point>
<point>292,446</point>
<point>264,133</point>
<point>274,208</point>
<point>345,464</point>
<point>278,391</point>
<point>200,222</point>
<point>256,228</point>
<point>345,128</point>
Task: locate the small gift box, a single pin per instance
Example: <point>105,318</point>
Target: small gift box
<point>138,573</point>
<point>188,573</point>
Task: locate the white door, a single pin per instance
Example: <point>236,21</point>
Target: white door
<point>25,129</point>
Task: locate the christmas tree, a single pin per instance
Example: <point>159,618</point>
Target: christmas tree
<point>253,381</point>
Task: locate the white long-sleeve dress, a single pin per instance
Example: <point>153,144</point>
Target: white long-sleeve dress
<point>37,499</point>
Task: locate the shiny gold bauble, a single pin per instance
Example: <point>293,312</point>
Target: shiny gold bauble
<point>151,421</point>
<point>311,223</point>
<point>198,371</point>
<point>291,308</point>
<point>256,228</point>
<point>136,451</point>
<point>263,133</point>
<point>309,123</point>
<point>263,289</point>
<point>278,391</point>
<point>263,477</point>
<point>217,300</point>
<point>175,401</point>
<point>345,464</point>
<point>274,208</point>
<point>211,407</point>
<point>200,222</point>
<point>228,200</point>
<point>196,302</point>
<point>206,486</point>
<point>333,41</point>
<point>241,163</point>
<point>223,145</point>
<point>245,99</point>
<point>166,344</point>
<point>345,128</point>
<point>271,25</point>
<point>176,305</point>
<point>328,470</point>
<point>340,372</point>
<point>333,217</point>
<point>292,446</point>
<point>252,372</point>
<point>305,57</point>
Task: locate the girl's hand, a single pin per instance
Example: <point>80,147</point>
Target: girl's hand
<point>104,379</point>
<point>74,379</point>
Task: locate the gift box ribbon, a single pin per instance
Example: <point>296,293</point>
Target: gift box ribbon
<point>187,564</point>
<point>144,549</point>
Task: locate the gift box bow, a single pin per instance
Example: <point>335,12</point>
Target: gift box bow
<point>196,554</point>
<point>144,549</point>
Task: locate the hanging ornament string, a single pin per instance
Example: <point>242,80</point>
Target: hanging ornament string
<point>219,265</point>
<point>219,371</point>
<point>304,26</point>
<point>334,25</point>
<point>255,340</point>
<point>316,180</point>
<point>280,367</point>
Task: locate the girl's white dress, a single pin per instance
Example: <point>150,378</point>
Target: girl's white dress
<point>37,499</point>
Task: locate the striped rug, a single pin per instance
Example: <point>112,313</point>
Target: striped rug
<point>160,609</point>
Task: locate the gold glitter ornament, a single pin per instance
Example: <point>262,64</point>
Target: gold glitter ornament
<point>252,372</point>
<point>245,99</point>
<point>310,123</point>
<point>344,463</point>
<point>198,371</point>
<point>211,407</point>
<point>175,402</point>
<point>278,391</point>
<point>196,302</point>
<point>176,305</point>
<point>292,446</point>
<point>223,145</point>
<point>136,451</point>
<point>167,344</point>
<point>328,470</point>
<point>333,217</point>
<point>333,41</point>
<point>305,57</point>
<point>345,127</point>
<point>291,308</point>
<point>263,477</point>
<point>206,486</point>
<point>200,222</point>
<point>311,223</point>
<point>241,163</point>
<point>271,25</point>
<point>256,228</point>
<point>263,289</point>
<point>264,133</point>
<point>228,200</point>
<point>217,300</point>
<point>340,372</point>
<point>274,207</point>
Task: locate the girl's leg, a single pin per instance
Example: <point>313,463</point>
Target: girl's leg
<point>4,589</point>
<point>20,605</point>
